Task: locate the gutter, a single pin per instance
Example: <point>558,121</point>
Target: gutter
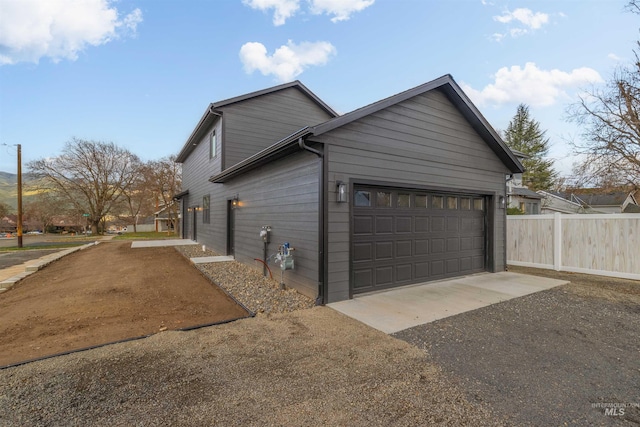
<point>321,299</point>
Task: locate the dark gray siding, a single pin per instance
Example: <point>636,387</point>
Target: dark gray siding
<point>420,142</point>
<point>284,195</point>
<point>196,170</point>
<point>252,125</point>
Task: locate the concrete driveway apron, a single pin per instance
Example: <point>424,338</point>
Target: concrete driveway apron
<point>398,309</point>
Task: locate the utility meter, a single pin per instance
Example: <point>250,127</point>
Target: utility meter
<point>265,233</point>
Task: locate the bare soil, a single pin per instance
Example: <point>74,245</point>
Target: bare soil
<point>107,293</point>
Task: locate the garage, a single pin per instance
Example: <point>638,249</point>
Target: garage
<point>402,236</point>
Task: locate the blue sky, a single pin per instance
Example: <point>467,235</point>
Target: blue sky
<point>140,73</point>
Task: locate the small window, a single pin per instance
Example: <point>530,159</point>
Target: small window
<point>437,202</point>
<point>362,198</point>
<point>206,210</point>
<point>404,200</point>
<point>421,200</point>
<point>383,199</point>
<point>452,202</point>
<point>478,204</point>
<point>465,203</point>
<point>213,145</point>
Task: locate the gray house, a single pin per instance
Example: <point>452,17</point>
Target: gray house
<point>406,190</point>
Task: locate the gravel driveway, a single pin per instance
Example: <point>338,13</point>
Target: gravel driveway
<point>551,358</point>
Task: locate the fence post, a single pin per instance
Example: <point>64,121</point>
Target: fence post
<point>557,241</point>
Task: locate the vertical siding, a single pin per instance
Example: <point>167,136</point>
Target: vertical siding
<point>423,141</point>
<point>252,125</point>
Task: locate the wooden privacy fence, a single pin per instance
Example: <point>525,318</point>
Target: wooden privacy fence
<point>607,245</point>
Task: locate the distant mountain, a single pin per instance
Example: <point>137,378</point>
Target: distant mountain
<point>9,188</point>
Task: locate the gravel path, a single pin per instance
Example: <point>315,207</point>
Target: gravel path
<point>248,286</point>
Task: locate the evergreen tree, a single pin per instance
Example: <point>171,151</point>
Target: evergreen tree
<point>524,134</point>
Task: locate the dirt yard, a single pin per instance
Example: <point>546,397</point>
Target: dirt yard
<point>106,293</point>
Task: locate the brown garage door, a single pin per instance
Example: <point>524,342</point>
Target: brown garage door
<point>401,237</point>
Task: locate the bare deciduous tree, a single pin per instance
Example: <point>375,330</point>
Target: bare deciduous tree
<point>164,180</point>
<point>91,175</point>
<point>43,207</point>
<point>610,120</point>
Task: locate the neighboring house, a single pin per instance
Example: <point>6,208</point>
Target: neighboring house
<point>518,195</point>
<point>595,201</point>
<point>406,190</point>
<point>553,202</point>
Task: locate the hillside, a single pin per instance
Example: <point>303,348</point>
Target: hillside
<point>9,188</point>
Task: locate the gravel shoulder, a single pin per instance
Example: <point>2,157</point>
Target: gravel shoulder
<point>549,358</point>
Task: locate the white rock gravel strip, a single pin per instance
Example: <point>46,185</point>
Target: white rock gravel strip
<point>249,287</point>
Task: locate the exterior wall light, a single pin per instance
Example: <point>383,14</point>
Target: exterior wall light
<point>341,192</point>
<point>501,201</point>
<point>234,201</point>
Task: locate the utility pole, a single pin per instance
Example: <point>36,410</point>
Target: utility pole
<point>19,195</point>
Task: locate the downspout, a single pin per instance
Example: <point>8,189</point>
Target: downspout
<point>321,298</point>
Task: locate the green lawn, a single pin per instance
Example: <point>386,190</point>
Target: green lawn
<point>149,235</point>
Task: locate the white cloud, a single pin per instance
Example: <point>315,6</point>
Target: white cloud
<point>531,85</point>
<point>525,17</point>
<point>283,9</point>
<point>340,9</point>
<point>288,61</point>
<point>614,57</point>
<point>58,29</point>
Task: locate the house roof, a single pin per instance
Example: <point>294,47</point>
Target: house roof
<point>213,112</point>
<point>602,199</point>
<point>525,192</point>
<point>445,83</point>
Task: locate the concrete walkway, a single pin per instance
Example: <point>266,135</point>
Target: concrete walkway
<point>403,308</point>
<point>160,243</point>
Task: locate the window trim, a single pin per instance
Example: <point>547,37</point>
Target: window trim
<point>206,209</point>
<point>213,145</point>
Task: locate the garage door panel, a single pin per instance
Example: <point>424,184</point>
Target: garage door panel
<point>478,262</point>
<point>403,248</point>
<point>437,224</point>
<point>422,247</point>
<point>453,244</point>
<point>384,250</point>
<point>437,246</point>
<point>437,268</point>
<point>478,242</point>
<point>466,243</point>
<point>384,224</point>
<point>384,276</point>
<point>421,270</point>
<point>415,236</point>
<point>362,224</point>
<point>422,224</point>
<point>453,266</point>
<point>363,252</point>
<point>403,224</point>
<point>403,273</point>
<point>362,279</point>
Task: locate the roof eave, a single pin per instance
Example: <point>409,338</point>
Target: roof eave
<point>456,95</point>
